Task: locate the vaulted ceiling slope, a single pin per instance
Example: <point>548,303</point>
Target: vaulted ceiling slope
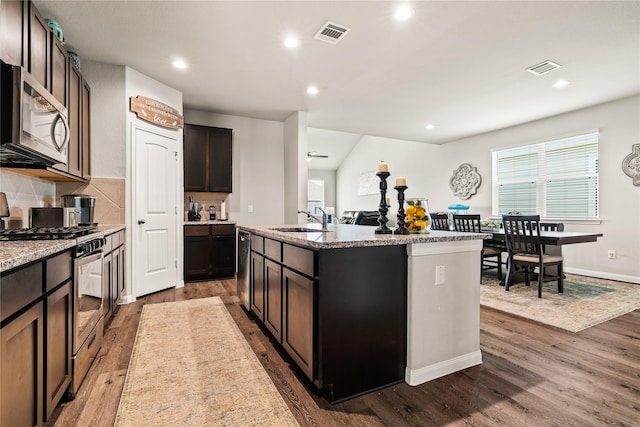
<point>454,64</point>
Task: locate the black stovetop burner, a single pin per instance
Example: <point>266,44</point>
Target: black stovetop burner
<point>45,233</point>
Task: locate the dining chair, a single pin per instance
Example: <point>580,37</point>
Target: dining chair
<point>525,248</point>
<point>439,221</point>
<point>471,223</point>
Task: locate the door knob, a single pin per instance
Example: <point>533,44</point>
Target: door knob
<point>141,221</point>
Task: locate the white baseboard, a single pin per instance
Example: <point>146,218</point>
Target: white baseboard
<point>419,376</point>
<point>603,275</point>
<point>180,284</point>
<point>126,299</point>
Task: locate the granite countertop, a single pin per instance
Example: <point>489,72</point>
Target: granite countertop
<point>16,253</point>
<point>210,222</point>
<point>350,236</point>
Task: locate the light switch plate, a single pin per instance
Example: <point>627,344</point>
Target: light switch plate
<point>439,275</point>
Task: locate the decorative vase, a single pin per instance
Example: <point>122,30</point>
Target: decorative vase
<point>417,220</point>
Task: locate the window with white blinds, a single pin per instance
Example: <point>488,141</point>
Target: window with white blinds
<point>556,179</point>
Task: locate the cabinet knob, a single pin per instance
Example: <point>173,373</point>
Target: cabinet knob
<point>141,221</point>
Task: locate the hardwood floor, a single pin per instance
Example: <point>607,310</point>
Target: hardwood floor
<point>531,375</point>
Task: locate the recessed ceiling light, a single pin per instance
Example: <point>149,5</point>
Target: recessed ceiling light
<point>430,126</point>
<point>180,64</point>
<point>291,42</point>
<point>312,90</point>
<point>561,83</point>
<point>403,13</point>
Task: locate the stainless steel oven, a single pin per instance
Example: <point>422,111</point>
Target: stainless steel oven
<point>87,309</point>
<point>34,130</point>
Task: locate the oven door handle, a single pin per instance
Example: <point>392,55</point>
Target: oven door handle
<point>89,258</point>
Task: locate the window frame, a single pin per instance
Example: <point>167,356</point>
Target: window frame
<point>541,180</point>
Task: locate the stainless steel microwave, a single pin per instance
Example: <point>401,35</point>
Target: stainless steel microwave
<point>33,124</point>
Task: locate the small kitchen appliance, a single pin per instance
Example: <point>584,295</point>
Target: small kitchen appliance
<point>212,212</point>
<point>85,204</point>
<point>4,209</point>
<point>53,217</point>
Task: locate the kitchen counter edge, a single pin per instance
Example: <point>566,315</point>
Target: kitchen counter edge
<point>17,253</point>
<point>351,236</point>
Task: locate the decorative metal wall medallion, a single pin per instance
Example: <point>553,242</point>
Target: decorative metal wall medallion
<point>631,164</point>
<point>465,181</point>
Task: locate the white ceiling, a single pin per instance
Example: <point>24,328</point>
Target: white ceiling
<point>459,65</point>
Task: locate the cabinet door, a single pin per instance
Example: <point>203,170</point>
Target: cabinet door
<point>197,261</point>
<point>107,278</point>
<point>121,283</point>
<point>74,159</point>
<point>273,298</point>
<point>195,157</point>
<point>59,70</point>
<point>297,330</point>
<point>257,285</point>
<point>21,387</point>
<point>58,345</point>
<point>220,152</point>
<point>223,259</point>
<point>116,272</point>
<point>39,42</point>
<point>85,136</point>
<point>13,37</point>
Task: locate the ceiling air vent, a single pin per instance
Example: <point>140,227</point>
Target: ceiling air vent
<point>331,32</point>
<point>543,68</point>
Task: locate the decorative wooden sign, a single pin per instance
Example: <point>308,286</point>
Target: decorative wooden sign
<point>156,112</point>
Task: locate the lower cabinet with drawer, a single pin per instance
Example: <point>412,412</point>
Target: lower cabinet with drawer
<point>112,273</point>
<point>340,314</point>
<point>209,252</point>
<point>35,339</point>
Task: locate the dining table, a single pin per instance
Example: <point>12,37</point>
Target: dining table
<point>553,240</point>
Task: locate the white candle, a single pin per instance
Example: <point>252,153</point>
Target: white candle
<point>388,201</point>
<point>383,167</point>
<point>401,181</point>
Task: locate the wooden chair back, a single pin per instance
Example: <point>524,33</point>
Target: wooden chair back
<point>439,221</point>
<point>521,233</point>
<point>469,223</point>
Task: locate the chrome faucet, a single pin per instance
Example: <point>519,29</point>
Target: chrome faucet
<point>324,218</point>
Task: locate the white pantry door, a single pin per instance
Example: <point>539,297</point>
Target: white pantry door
<point>154,216</point>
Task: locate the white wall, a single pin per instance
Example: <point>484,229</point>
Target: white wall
<point>258,166</point>
<point>428,169</point>
<point>329,178</point>
<point>108,113</point>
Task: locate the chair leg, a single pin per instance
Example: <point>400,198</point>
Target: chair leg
<point>526,276</point>
<point>507,280</point>
<point>500,266</point>
<point>560,279</point>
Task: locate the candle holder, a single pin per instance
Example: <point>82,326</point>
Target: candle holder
<point>383,209</point>
<point>401,215</point>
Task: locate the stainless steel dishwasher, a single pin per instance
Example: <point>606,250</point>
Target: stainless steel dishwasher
<point>243,278</point>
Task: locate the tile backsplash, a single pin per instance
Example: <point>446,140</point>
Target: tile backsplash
<point>110,198</point>
<point>207,199</point>
<point>24,192</point>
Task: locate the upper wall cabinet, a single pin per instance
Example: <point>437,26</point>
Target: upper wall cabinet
<point>14,32</point>
<point>207,158</point>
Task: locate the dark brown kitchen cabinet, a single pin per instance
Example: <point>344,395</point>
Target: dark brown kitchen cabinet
<point>273,297</point>
<point>58,336</point>
<point>39,56</point>
<point>297,331</point>
<point>209,252</point>
<point>59,70</point>
<point>15,31</point>
<point>74,158</point>
<point>257,285</point>
<point>35,339</point>
<point>112,273</point>
<point>85,135</point>
<point>207,159</point>
<point>22,348</point>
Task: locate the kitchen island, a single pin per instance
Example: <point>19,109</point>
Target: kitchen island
<point>358,311</point>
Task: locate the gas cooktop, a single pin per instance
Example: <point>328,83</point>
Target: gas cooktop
<point>45,233</point>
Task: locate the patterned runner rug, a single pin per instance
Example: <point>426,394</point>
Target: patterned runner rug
<point>191,366</point>
<point>585,302</point>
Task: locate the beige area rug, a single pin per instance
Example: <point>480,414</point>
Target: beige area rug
<point>191,366</point>
<point>585,301</point>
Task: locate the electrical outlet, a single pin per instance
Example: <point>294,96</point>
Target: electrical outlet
<point>439,275</point>
<point>250,208</point>
<point>612,254</point>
